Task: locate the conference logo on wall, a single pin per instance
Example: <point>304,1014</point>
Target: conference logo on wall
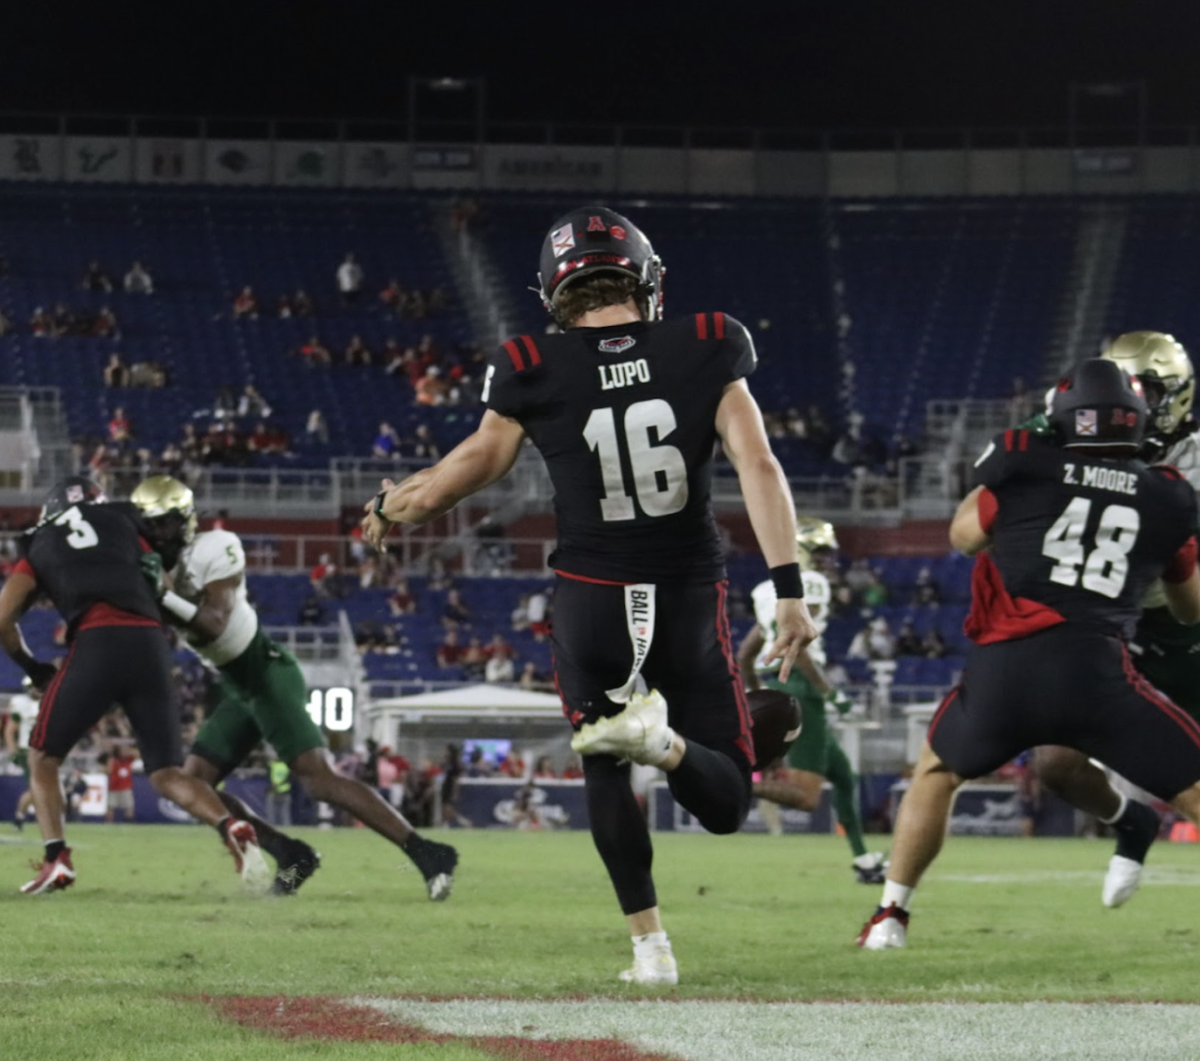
<point>168,161</point>
<point>30,158</point>
<point>99,158</point>
<point>237,161</point>
<point>580,168</point>
<point>308,164</point>
<point>376,165</point>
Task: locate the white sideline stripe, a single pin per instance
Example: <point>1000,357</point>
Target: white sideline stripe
<point>1164,875</point>
<point>696,1030</point>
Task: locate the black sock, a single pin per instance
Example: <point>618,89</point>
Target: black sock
<point>1136,830</point>
<point>54,848</point>
<point>223,825</point>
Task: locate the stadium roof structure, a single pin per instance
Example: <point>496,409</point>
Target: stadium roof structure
<point>475,701</point>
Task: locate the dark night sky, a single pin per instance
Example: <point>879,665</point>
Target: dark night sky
<point>807,63</point>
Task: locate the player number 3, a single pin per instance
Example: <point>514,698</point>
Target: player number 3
<point>83,535</point>
<point>1106,566</point>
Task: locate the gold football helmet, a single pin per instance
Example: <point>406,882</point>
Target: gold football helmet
<point>1162,366</point>
<point>812,534</point>
<point>161,496</point>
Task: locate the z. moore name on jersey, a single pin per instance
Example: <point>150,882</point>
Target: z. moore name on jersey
<point>623,374</point>
<point>1101,478</point>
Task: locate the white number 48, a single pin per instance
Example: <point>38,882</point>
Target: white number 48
<point>1106,567</point>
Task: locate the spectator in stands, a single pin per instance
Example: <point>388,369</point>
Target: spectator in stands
<point>439,577</point>
<point>311,612</point>
<point>191,446</point>
<point>926,589</point>
<point>519,619</point>
<point>120,784</point>
<point>96,278</point>
<point>513,764</point>
<point>148,374</point>
<point>283,308</point>
<point>387,443</point>
<point>62,321</point>
<point>430,389</point>
<point>40,324</point>
<point>99,465</point>
<point>402,601</point>
<point>544,768</point>
<point>322,577</point>
<point>449,652</point>
<point>908,641</point>
<point>315,352</point>
<point>474,660</point>
<point>934,645</point>
<point>499,648</point>
<point>874,641</point>
<point>105,325</point>
<point>393,296</point>
<point>357,352</point>
<point>455,612</point>
<point>138,281</point>
<point>252,404</point>
<point>873,593</point>
<point>452,772</point>
<point>424,446</point>
<point>119,427</point>
<point>170,461</point>
<point>116,372</point>
<point>302,304</point>
<point>267,439</point>
<point>316,430</point>
<point>533,680</point>
<point>349,280</point>
<point>393,358</point>
<point>418,794</point>
<point>246,304</point>
<point>499,668</point>
<point>573,770</point>
<point>539,611</point>
<point>6,324</point>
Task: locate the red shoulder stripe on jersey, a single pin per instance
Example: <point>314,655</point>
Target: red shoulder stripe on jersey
<point>1024,440</point>
<point>988,507</point>
<point>701,325</point>
<point>997,616</point>
<point>1008,440</point>
<point>515,355</point>
<point>1183,563</point>
<point>1169,470</point>
<point>534,357</point>
<point>24,567</point>
<point>718,325</point>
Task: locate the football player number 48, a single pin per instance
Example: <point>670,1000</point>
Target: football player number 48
<point>1106,566</point>
<point>659,471</point>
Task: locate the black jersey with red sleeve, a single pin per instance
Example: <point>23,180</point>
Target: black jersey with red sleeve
<point>624,417</point>
<point>86,560</point>
<point>1075,537</point>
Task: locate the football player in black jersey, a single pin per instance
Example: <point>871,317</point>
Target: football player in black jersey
<point>625,409</point>
<point>87,556</point>
<point>1068,532</point>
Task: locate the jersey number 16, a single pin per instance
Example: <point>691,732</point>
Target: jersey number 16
<point>659,470</point>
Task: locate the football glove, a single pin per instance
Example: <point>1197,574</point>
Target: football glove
<point>840,701</point>
<point>41,674</point>
<point>151,565</point>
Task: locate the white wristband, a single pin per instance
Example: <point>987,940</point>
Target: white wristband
<point>176,605</point>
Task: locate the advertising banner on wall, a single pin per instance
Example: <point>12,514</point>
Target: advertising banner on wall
<point>312,165</point>
<point>30,158</point>
<point>519,167</point>
<point>376,165</point>
<point>237,162</point>
<point>99,158</point>
<point>167,160</point>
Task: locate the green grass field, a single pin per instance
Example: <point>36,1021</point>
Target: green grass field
<point>119,966</point>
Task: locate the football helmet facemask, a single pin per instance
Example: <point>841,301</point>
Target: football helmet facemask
<point>1163,368</point>
<point>595,239</point>
<point>812,534</point>
<point>67,493</point>
<point>1098,407</point>
<point>170,511</point>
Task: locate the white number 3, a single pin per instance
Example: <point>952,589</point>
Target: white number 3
<point>83,535</point>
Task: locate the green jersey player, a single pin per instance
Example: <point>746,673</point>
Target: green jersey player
<point>815,755</point>
<point>263,694</point>
<point>1165,651</point>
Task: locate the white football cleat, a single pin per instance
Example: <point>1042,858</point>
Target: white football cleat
<point>1122,880</point>
<point>887,929</point>
<point>252,867</point>
<point>639,733</point>
<point>657,967</point>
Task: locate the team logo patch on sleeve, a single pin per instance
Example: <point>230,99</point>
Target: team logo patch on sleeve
<point>563,240</point>
<point>1085,422</point>
<point>617,346</point>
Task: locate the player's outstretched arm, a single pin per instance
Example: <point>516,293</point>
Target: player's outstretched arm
<point>476,462</point>
<point>966,530</point>
<point>1183,598</point>
<point>15,598</point>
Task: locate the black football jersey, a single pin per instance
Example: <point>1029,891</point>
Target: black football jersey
<point>89,555</point>
<point>624,418</point>
<point>1083,535</point>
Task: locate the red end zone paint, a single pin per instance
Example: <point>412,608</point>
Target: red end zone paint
<point>329,1018</point>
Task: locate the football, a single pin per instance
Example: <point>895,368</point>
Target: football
<point>775,723</point>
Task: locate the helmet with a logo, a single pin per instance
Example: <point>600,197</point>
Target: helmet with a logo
<point>1096,406</point>
<point>1163,368</point>
<point>595,239</point>
<point>69,492</point>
